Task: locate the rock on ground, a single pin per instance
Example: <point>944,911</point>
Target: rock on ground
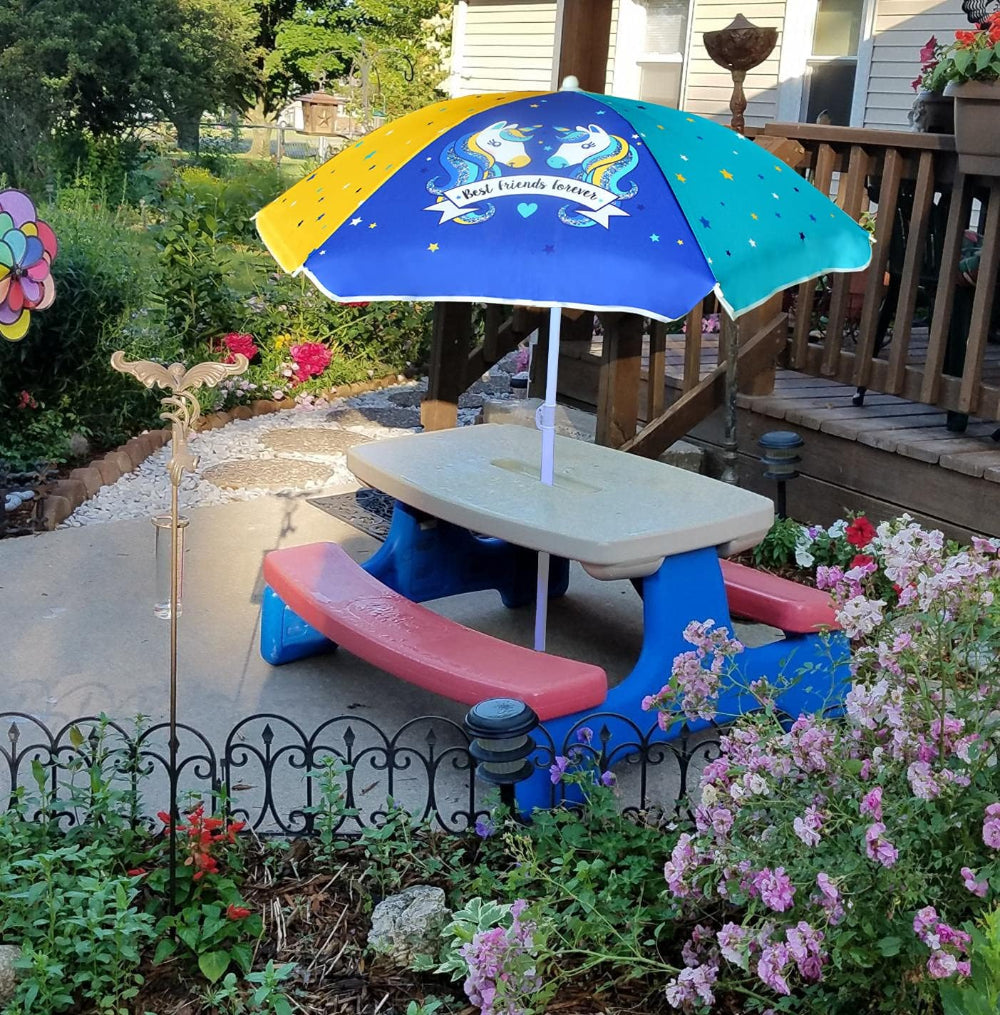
<point>9,954</point>
<point>409,924</point>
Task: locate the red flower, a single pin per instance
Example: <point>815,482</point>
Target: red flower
<point>26,401</point>
<point>237,912</point>
<point>311,358</point>
<point>136,872</point>
<point>860,532</point>
<point>967,38</point>
<point>363,303</point>
<point>927,53</point>
<point>239,342</point>
<point>862,560</point>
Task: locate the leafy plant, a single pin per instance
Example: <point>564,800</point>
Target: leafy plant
<point>777,548</point>
<point>973,56</point>
<point>194,296</point>
<point>979,994</point>
<point>833,862</point>
<point>209,917</point>
<point>473,918</point>
<point>331,810</point>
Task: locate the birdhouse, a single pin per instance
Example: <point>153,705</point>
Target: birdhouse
<point>320,112</point>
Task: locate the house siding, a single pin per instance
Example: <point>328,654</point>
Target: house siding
<point>709,87</point>
<point>506,46</point>
<point>901,29</point>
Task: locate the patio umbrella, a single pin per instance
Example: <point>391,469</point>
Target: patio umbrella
<point>558,199</point>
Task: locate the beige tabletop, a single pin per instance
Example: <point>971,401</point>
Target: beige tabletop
<point>618,514</point>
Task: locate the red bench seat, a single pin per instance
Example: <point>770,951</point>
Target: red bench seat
<point>770,599</point>
<point>332,593</point>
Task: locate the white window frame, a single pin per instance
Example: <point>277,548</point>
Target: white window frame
<point>630,59</point>
<point>796,47</point>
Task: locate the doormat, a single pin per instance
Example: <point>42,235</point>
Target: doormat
<point>367,510</point>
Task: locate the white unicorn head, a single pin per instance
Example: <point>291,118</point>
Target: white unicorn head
<point>579,144</point>
<point>504,142</point>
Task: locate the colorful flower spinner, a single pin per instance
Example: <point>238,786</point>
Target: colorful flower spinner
<point>27,250</point>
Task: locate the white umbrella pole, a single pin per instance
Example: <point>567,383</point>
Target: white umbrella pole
<point>546,421</point>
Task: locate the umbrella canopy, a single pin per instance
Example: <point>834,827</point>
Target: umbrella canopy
<point>558,199</point>
<point>562,198</point>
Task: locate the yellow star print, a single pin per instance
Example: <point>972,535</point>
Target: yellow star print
<point>372,225</point>
<point>725,172</point>
<point>753,215</point>
<point>432,247</point>
<point>683,179</point>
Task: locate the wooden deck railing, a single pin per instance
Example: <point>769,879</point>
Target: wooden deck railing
<point>859,328</point>
<point>924,207</point>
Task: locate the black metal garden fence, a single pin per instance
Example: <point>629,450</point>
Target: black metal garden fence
<point>281,779</point>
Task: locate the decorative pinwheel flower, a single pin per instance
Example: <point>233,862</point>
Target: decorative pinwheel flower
<point>27,250</point>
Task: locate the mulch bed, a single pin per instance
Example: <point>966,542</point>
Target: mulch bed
<point>317,913</point>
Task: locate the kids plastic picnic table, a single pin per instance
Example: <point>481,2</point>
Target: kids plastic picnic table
<point>620,516</point>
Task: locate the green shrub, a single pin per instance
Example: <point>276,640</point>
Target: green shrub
<point>232,190</point>
<point>103,276</point>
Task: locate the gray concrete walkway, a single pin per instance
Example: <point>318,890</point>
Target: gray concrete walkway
<point>78,635</point>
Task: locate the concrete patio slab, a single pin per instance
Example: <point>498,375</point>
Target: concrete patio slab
<point>79,636</point>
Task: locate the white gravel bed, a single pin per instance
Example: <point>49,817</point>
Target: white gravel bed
<point>146,491</point>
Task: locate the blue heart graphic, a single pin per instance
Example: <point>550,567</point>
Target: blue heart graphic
<point>526,210</point>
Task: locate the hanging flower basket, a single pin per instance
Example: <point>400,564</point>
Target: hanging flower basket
<point>977,126</point>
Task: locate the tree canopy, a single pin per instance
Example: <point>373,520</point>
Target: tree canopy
<point>102,67</point>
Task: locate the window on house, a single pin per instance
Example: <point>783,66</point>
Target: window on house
<point>833,62</point>
<point>662,60</point>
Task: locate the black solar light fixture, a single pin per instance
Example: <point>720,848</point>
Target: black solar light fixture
<point>502,743</point>
<point>780,458</point>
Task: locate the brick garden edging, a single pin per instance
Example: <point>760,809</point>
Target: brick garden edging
<point>63,496</point>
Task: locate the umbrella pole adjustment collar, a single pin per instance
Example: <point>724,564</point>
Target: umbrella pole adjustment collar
<point>545,416</point>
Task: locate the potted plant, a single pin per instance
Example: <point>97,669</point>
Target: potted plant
<point>969,70</point>
<point>933,112</point>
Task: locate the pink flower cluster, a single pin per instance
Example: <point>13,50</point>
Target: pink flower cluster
<point>502,966</point>
<point>775,889</point>
<point>777,958</point>
<point>923,574</point>
<point>991,826</point>
<point>694,687</point>
<point>310,359</point>
<point>238,342</point>
<point>948,946</point>
<point>801,949</point>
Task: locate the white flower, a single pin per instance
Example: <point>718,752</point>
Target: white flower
<point>803,557</point>
<point>838,528</point>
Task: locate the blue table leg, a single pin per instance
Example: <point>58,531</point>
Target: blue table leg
<point>690,587</point>
<point>424,558</point>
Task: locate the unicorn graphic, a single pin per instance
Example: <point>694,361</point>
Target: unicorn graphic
<point>481,156</point>
<point>601,158</point>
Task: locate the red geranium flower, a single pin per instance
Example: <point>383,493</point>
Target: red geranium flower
<point>239,342</point>
<point>860,532</point>
<point>237,912</point>
<point>862,560</point>
<point>311,359</point>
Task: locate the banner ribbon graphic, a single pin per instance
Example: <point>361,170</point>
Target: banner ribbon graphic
<point>594,202</point>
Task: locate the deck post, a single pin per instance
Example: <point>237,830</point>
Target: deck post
<point>620,377</point>
<point>583,35</point>
<point>446,370</point>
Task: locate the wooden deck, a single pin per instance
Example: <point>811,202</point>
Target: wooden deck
<point>888,456</point>
<point>885,457</point>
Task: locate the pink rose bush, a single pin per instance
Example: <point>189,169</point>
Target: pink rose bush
<point>839,862</point>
